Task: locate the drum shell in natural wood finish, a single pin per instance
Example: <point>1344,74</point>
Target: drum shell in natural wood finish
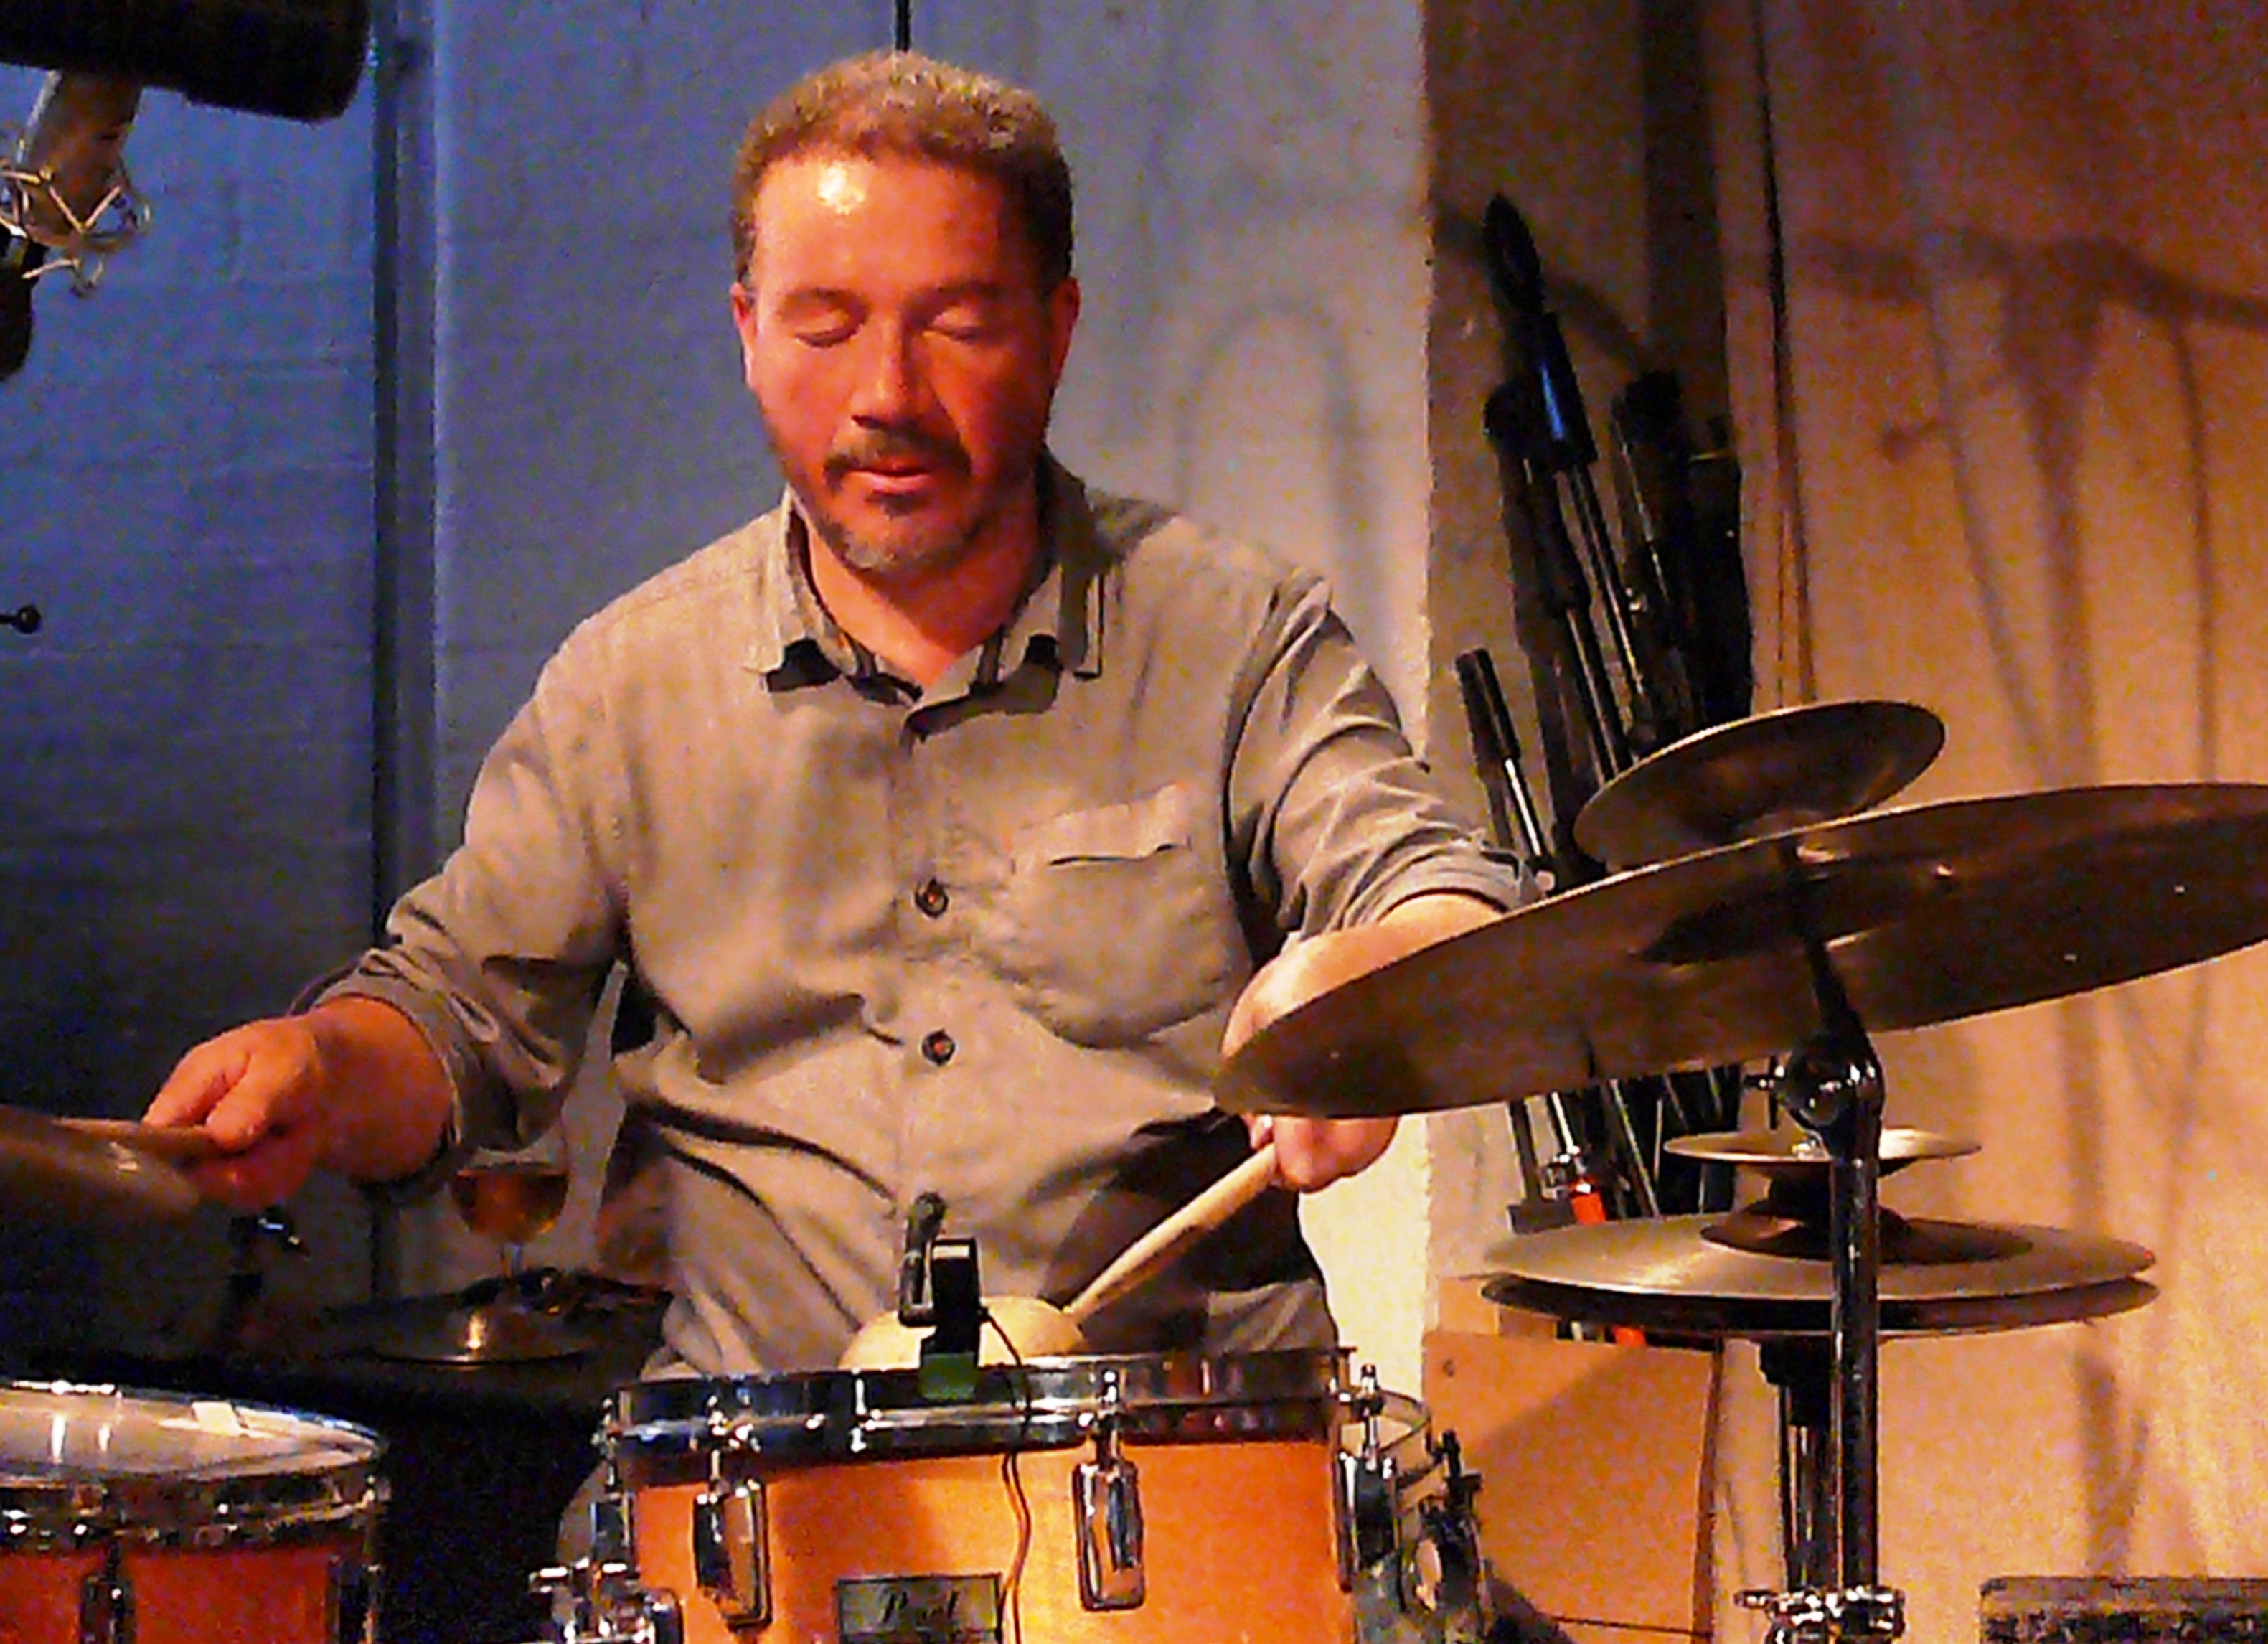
<point>1239,1542</point>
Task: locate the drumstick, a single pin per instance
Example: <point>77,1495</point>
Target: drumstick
<point>181,1144</point>
<point>1154,1248</point>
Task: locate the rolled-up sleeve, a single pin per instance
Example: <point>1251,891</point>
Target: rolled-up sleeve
<point>1335,818</point>
<point>499,959</point>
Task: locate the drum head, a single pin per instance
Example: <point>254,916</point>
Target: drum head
<point>79,1459</point>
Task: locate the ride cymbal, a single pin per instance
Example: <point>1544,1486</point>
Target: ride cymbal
<point>1674,1275</point>
<point>1923,914</point>
<point>50,1170</point>
<point>1763,775</point>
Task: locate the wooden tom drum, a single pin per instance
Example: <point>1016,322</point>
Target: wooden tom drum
<point>1133,1500</point>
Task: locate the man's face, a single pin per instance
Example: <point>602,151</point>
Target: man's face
<point>895,336</point>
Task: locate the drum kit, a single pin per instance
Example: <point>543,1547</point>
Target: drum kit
<point>1761,907</point>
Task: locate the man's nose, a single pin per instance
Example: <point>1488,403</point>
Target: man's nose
<point>892,384</point>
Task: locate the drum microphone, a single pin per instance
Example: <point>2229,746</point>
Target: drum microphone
<point>68,171</point>
<point>64,190</point>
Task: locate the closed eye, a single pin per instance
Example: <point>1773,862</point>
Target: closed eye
<point>967,322</point>
<point>818,319</point>
<point>975,312</point>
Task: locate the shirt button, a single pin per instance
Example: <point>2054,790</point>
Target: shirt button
<point>937,1048</point>
<point>931,898</point>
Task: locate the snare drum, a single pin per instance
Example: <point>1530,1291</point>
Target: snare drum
<point>136,1518</point>
<point>1142,1499</point>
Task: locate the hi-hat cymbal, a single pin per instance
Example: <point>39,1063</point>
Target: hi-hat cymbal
<point>1794,1215</point>
<point>1799,1153</point>
<point>1672,1275</point>
<point>1763,775</point>
<point>1924,914</point>
<point>49,1170</point>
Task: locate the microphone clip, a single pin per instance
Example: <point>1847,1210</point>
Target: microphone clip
<point>939,1291</point>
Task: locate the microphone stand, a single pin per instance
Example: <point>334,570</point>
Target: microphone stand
<point>1539,425</point>
<point>1535,419</point>
<point>1569,1175</point>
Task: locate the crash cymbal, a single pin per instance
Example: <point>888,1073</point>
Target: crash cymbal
<point>1673,1276</point>
<point>52,1172</point>
<point>1800,1152</point>
<point>1742,780</point>
<point>1924,914</point>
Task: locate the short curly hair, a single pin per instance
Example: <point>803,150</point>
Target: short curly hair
<point>904,103</point>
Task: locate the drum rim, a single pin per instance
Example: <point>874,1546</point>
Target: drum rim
<point>671,1429</point>
<point>60,1508</point>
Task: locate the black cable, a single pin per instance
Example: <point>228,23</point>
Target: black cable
<point>1011,1475</point>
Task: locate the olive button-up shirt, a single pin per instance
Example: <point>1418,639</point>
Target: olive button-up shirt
<point>979,939</point>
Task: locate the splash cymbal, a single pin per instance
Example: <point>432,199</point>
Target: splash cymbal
<point>52,1171</point>
<point>1675,1275</point>
<point>1750,778</point>
<point>1924,914</point>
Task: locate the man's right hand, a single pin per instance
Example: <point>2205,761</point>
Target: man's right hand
<point>261,1092</point>
<point>351,1085</point>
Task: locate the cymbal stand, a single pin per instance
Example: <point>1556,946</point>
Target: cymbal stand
<point>1833,1088</point>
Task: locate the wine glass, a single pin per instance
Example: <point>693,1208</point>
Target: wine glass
<point>508,1196</point>
<point>512,1195</point>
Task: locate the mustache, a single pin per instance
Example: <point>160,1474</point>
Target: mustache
<point>875,447</point>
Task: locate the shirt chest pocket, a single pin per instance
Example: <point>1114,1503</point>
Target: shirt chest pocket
<point>1116,923</point>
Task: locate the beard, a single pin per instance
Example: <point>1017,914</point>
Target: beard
<point>920,540</point>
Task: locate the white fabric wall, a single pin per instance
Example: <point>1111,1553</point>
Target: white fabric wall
<point>2017,480</point>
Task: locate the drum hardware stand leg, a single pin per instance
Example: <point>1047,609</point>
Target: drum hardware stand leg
<point>1448,1571</point>
<point>595,1602</point>
<point>1833,1086</point>
<point>251,1240</point>
<point>353,1600</point>
<point>1801,1368</point>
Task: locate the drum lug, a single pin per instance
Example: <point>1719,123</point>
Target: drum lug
<point>1107,1508</point>
<point>729,1552</point>
<point>614,1530</point>
<point>1367,1513</point>
<point>106,1604</point>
